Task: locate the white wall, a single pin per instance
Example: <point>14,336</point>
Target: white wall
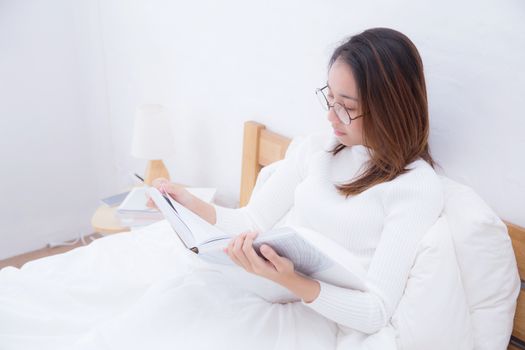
<point>216,64</point>
<point>72,73</point>
<point>56,157</point>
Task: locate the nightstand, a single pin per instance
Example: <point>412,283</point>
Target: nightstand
<point>105,220</point>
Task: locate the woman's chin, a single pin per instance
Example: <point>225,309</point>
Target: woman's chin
<point>347,141</point>
<point>342,138</point>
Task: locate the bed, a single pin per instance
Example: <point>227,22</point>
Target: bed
<point>103,279</point>
<point>262,147</point>
<point>518,241</point>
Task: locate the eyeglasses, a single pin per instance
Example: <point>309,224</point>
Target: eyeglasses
<point>341,111</point>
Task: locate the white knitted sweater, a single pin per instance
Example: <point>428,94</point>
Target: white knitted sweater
<point>381,226</point>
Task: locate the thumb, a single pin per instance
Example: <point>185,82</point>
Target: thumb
<point>159,181</point>
<point>151,204</point>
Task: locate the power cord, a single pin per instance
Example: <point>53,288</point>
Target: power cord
<point>80,238</point>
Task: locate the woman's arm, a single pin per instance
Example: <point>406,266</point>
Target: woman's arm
<point>265,208</point>
<point>184,197</point>
<point>268,205</point>
<point>412,205</point>
<point>260,214</point>
<point>203,209</point>
<point>276,268</point>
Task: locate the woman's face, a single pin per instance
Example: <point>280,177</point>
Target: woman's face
<point>342,89</point>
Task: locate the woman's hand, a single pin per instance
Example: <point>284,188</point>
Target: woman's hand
<point>177,192</point>
<point>276,268</point>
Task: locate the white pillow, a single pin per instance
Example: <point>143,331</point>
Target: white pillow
<point>487,265</point>
<point>264,175</point>
<point>433,313</point>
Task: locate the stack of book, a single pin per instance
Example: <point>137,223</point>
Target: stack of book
<point>133,211</point>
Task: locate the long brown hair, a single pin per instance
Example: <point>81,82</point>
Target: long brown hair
<point>392,95</point>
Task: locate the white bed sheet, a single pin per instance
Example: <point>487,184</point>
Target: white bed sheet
<point>139,290</point>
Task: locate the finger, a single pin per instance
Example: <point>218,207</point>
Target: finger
<point>236,261</point>
<point>232,254</point>
<point>150,203</point>
<point>158,181</point>
<point>229,251</point>
<point>229,248</point>
<point>248,250</point>
<point>272,256</point>
<point>258,264</point>
<point>239,253</point>
<point>171,189</point>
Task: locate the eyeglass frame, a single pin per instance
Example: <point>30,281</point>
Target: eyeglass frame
<point>328,106</point>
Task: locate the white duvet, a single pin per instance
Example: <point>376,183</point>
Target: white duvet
<point>142,290</point>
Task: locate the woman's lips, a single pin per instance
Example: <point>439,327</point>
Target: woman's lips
<point>338,133</point>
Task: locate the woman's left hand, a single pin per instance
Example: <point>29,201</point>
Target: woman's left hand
<point>276,268</point>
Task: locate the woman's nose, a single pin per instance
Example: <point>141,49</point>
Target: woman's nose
<point>332,116</point>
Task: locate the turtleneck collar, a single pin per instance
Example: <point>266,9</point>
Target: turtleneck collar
<point>348,163</point>
<point>360,151</point>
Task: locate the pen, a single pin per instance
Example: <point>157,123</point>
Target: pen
<point>138,176</point>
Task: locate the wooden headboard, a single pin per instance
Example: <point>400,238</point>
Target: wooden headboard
<point>517,234</point>
<point>262,147</point>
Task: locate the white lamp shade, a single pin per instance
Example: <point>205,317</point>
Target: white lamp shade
<point>152,135</point>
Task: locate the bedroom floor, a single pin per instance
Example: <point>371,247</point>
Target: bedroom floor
<point>19,260</point>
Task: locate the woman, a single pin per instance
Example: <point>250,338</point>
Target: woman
<point>375,192</point>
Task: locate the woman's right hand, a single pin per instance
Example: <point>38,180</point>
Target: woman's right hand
<point>175,191</point>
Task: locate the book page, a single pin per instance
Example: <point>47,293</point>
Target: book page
<point>347,270</point>
<point>135,201</point>
<point>287,243</point>
<point>202,230</point>
<point>192,229</point>
<point>178,225</point>
<point>216,256</point>
<point>313,255</point>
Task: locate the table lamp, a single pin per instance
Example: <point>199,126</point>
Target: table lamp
<point>152,140</point>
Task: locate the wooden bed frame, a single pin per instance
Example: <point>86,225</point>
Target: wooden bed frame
<point>262,147</point>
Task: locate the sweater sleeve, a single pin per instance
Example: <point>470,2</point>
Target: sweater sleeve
<point>412,204</point>
<point>274,199</point>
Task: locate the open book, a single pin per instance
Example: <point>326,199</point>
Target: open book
<point>313,254</point>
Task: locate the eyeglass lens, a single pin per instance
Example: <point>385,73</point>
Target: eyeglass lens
<point>339,110</point>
